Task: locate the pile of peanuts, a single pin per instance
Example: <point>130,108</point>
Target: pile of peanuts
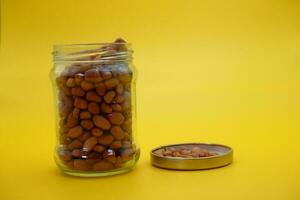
<point>184,151</point>
<point>95,125</point>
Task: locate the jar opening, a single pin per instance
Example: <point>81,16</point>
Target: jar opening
<point>93,52</point>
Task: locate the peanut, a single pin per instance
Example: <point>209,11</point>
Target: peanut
<point>117,132</point>
<point>116,144</point>
<point>90,143</point>
<point>86,85</point>
<point>92,75</point>
<point>93,108</point>
<point>103,166</point>
<point>77,91</point>
<point>116,118</point>
<point>83,137</point>
<point>78,78</point>
<point>75,144</point>
<point>71,121</point>
<point>99,148</point>
<point>111,83</point>
<point>80,103</point>
<point>100,89</point>
<point>106,108</point>
<point>71,82</point>
<point>101,122</point>
<point>85,115</point>
<point>116,107</point>
<point>105,139</point>
<point>64,155</point>
<point>109,155</point>
<point>75,132</point>
<point>120,89</point>
<point>86,124</point>
<point>93,96</point>
<point>81,165</point>
<point>106,75</point>
<point>97,132</point>
<point>76,113</point>
<point>109,96</point>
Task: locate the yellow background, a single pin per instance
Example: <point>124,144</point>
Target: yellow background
<point>209,71</point>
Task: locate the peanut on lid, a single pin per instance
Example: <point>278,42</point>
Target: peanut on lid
<point>191,156</point>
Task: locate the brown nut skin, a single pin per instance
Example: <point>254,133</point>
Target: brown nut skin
<point>119,89</point>
<point>92,75</point>
<point>86,86</point>
<point>117,132</point>
<point>78,153</point>
<point>106,108</point>
<point>93,108</point>
<point>85,115</point>
<point>101,122</point>
<point>87,124</point>
<point>116,118</point>
<point>125,77</point>
<point>126,144</point>
<point>64,155</point>
<point>127,125</point>
<point>93,96</point>
<point>106,75</point>
<point>116,144</point>
<point>84,136</point>
<point>66,90</point>
<point>105,139</point>
<point>93,157</point>
<point>77,91</point>
<point>71,121</point>
<point>75,132</point>
<point>76,113</point>
<point>109,96</point>
<point>63,139</point>
<point>80,103</point>
<point>81,165</point>
<point>75,144</point>
<point>111,83</point>
<point>116,107</point>
<point>96,132</point>
<point>109,155</point>
<point>119,99</point>
<point>70,82</point>
<point>127,154</point>
<point>126,106</point>
<point>99,148</point>
<point>100,89</point>
<point>103,166</point>
<point>78,78</point>
<point>90,143</point>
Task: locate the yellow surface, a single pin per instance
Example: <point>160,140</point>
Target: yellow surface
<point>209,71</point>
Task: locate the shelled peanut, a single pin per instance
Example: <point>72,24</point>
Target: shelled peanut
<point>95,126</point>
<point>185,151</point>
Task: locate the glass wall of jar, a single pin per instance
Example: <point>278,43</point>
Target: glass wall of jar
<point>94,95</point>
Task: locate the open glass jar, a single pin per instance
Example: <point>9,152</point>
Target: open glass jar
<point>94,88</point>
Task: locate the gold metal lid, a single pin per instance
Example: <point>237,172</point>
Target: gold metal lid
<point>221,156</point>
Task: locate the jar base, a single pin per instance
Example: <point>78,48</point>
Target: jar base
<point>79,173</point>
<point>95,174</point>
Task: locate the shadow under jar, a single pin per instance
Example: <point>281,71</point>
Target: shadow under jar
<point>94,87</point>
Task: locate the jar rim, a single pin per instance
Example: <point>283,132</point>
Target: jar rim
<point>104,52</point>
<point>59,46</point>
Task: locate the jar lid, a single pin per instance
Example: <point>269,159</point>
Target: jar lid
<point>191,156</point>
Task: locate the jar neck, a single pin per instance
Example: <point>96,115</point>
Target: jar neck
<point>102,53</point>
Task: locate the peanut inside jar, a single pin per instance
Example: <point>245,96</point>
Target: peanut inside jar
<point>95,109</point>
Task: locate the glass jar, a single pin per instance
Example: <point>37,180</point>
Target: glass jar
<point>94,89</point>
